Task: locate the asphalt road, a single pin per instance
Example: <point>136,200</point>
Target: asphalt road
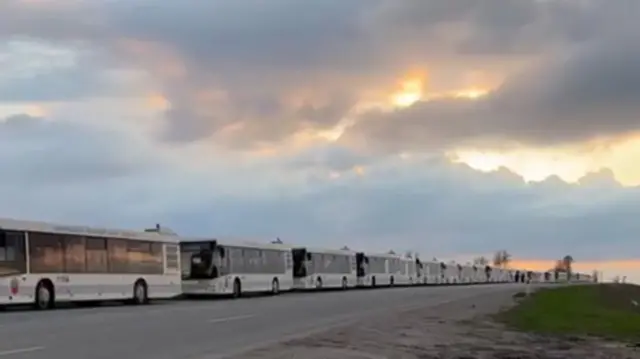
<point>203,329</point>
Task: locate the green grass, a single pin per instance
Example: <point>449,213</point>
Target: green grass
<point>603,310</point>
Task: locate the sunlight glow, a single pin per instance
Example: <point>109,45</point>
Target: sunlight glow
<point>532,165</point>
<point>410,92</point>
<point>570,163</point>
<point>413,90</point>
<point>472,94</point>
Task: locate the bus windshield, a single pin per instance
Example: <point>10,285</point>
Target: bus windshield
<point>205,260</point>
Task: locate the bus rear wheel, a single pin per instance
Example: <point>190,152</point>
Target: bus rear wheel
<point>44,295</point>
<point>237,288</point>
<point>140,294</point>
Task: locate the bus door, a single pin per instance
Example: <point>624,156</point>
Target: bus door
<point>300,258</point>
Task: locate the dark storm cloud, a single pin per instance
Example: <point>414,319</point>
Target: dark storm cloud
<point>259,52</point>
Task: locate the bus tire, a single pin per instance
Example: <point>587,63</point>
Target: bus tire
<point>237,288</point>
<point>344,283</point>
<point>140,292</point>
<point>45,295</point>
<point>275,286</point>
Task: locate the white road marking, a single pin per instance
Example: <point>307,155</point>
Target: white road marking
<point>20,351</point>
<point>228,319</point>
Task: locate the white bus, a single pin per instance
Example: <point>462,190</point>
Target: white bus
<point>324,268</point>
<point>422,272</point>
<point>402,270</point>
<point>44,263</point>
<point>467,274</point>
<point>452,273</point>
<point>221,267</point>
<point>433,272</point>
<point>373,269</point>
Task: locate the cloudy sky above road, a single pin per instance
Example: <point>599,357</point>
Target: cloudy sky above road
<point>448,127</point>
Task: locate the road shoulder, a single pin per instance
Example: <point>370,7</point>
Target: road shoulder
<point>463,328</point>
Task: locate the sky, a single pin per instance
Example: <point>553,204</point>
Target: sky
<point>451,128</point>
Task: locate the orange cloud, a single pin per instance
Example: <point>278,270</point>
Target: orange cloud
<point>158,102</point>
<point>156,57</point>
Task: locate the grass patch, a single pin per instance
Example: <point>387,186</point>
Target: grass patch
<point>603,310</point>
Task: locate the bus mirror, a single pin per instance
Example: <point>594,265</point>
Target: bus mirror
<point>309,256</point>
<point>3,238</point>
<point>221,251</point>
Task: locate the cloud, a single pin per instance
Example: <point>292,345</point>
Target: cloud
<point>76,174</point>
<point>262,77</point>
<point>591,93</point>
<point>271,119</point>
<point>37,71</point>
<point>38,152</point>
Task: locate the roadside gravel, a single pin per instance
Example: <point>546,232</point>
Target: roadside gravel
<point>457,330</point>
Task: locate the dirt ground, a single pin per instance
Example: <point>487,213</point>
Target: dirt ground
<point>457,330</point>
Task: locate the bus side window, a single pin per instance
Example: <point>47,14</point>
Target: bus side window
<point>118,256</point>
<point>47,254</point>
<point>96,255</point>
<point>74,254</point>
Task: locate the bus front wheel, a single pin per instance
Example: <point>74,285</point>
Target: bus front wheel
<point>44,295</point>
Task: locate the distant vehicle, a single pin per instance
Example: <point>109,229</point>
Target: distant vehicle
<point>220,267</point>
<point>404,271</point>
<point>468,274</point>
<point>315,268</point>
<point>43,264</point>
<point>385,270</point>
<point>432,272</point>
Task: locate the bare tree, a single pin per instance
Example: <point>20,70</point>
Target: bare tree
<point>567,263</point>
<point>481,261</point>
<point>501,259</point>
<point>559,266</point>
